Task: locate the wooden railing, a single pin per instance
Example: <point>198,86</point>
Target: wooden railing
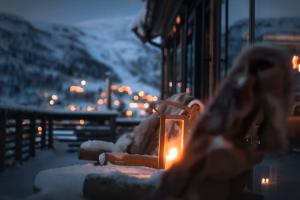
<point>23,131</point>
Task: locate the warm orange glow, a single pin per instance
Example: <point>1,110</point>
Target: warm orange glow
<point>129,113</point>
<point>141,93</point>
<point>178,19</point>
<point>100,101</point>
<point>90,108</point>
<point>76,89</point>
<point>296,63</point>
<point>146,105</point>
<point>136,98</point>
<point>81,122</point>
<point>172,154</point>
<point>265,181</point>
<point>54,97</point>
<point>71,108</point>
<point>117,103</point>
<point>40,129</point>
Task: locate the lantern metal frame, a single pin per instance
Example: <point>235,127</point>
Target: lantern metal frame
<point>162,136</point>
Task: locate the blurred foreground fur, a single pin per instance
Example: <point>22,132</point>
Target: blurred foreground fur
<point>253,102</point>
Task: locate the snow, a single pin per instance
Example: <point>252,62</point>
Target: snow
<point>67,182</point>
<point>94,145</point>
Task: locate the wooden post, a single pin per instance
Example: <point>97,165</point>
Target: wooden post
<point>108,85</point>
<point>50,133</point>
<point>32,136</point>
<point>43,136</point>
<point>113,128</point>
<point>18,141</point>
<point>2,139</point>
<point>161,148</point>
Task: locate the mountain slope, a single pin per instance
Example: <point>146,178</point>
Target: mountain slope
<point>38,58</point>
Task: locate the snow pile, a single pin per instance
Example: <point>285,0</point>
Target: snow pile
<point>67,182</point>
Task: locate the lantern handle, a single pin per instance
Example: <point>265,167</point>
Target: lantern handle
<point>172,103</point>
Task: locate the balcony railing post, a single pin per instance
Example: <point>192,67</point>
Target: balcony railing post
<point>2,139</point>
<point>113,128</point>
<point>32,136</point>
<point>18,144</point>
<point>43,136</point>
<point>50,133</point>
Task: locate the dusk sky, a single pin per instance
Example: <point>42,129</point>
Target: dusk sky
<point>70,11</point>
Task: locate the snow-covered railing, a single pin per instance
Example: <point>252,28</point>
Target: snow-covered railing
<point>23,131</point>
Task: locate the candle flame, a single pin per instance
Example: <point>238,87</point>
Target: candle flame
<point>172,154</point>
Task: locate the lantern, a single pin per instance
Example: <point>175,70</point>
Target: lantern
<point>171,139</point>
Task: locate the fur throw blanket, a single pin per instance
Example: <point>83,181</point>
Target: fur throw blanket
<point>144,138</point>
<point>246,118</point>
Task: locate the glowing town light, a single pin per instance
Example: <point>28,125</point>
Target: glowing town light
<point>129,113</point>
<point>135,97</point>
<point>133,105</point>
<point>141,93</point>
<point>188,90</point>
<point>51,102</point>
<point>76,89</point>
<point>71,108</point>
<point>54,97</point>
<point>81,122</point>
<point>83,82</point>
<point>117,103</point>
<point>100,102</point>
<point>146,105</point>
<point>90,108</point>
<point>170,84</point>
<point>155,98</point>
<point>179,84</point>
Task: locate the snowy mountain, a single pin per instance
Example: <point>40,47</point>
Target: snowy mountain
<point>38,59</point>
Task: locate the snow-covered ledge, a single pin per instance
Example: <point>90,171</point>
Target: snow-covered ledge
<point>68,182</point>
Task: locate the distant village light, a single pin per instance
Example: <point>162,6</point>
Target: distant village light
<point>90,108</point>
<point>129,113</point>
<point>146,105</point>
<point>83,82</point>
<point>100,101</point>
<point>76,89</point>
<point>170,84</point>
<point>54,97</point>
<point>136,98</point>
<point>117,103</point>
<point>51,102</point>
<point>141,93</point>
<point>133,105</point>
